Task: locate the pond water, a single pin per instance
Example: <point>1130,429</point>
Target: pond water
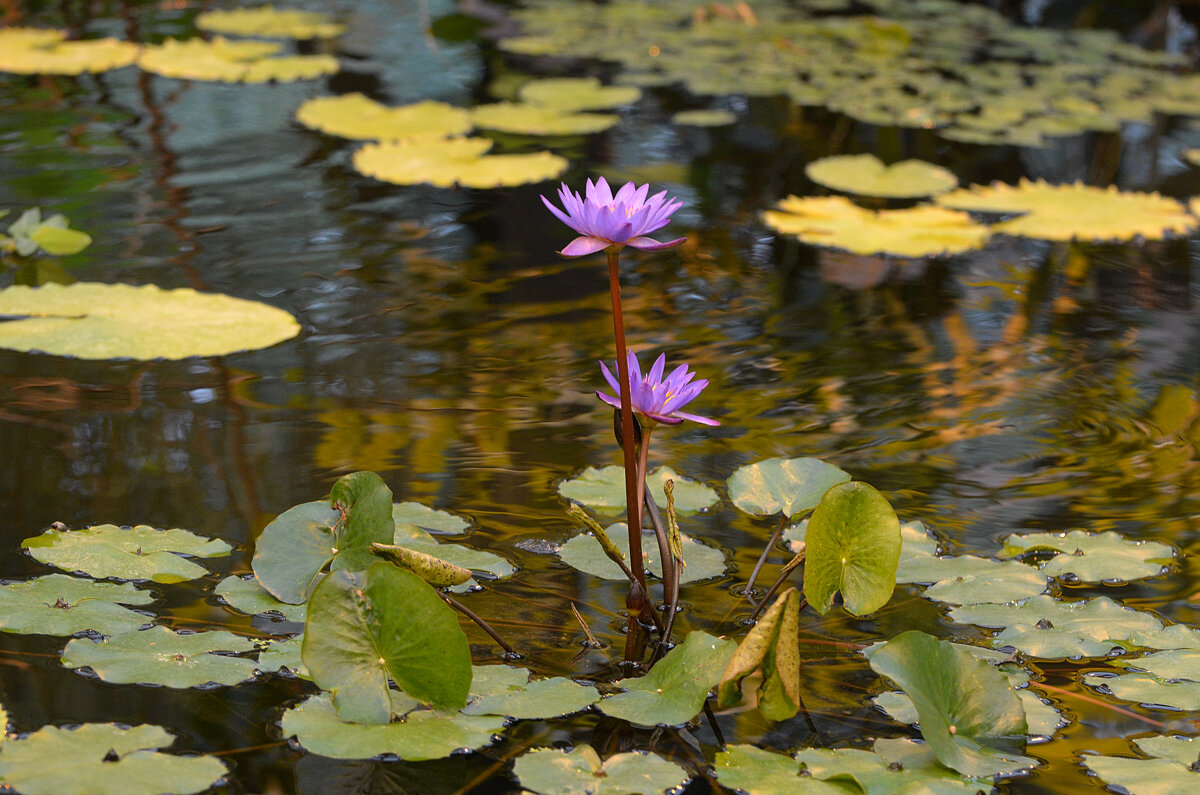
<point>1029,386</point>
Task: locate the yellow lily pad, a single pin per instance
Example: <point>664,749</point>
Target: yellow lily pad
<point>270,22</point>
<point>1074,212</point>
<point>866,175</point>
<point>526,119</point>
<point>570,94</point>
<point>836,222</point>
<point>704,118</point>
<point>225,61</point>
<point>34,51</point>
<point>454,161</point>
<point>358,117</point>
<point>119,321</point>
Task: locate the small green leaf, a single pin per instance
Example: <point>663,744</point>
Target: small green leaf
<point>365,501</point>
<point>60,605</point>
<point>605,488</point>
<point>427,518</point>
<point>158,656</point>
<point>853,541</point>
<point>551,771</point>
<point>283,653</point>
<point>366,626</point>
<point>137,553</point>
<point>675,689</point>
<point>783,485</point>
<point>773,645</point>
<point>583,552</point>
<point>420,734</point>
<point>248,596</point>
<point>103,759</point>
<point>536,700</point>
<point>965,707</point>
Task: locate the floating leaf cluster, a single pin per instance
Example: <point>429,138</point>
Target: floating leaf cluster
<point>226,61</point>
<point>33,51</point>
<point>867,175</point>
<point>270,22</point>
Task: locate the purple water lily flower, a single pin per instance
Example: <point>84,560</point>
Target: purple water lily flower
<point>605,221</point>
<point>655,397</point>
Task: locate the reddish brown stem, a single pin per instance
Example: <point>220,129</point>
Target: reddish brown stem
<point>635,604</point>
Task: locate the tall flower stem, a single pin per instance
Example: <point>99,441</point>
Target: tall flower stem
<point>636,602</point>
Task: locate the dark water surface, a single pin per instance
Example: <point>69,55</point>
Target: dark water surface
<point>448,348</point>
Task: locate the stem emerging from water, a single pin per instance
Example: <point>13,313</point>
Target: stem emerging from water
<point>636,602</point>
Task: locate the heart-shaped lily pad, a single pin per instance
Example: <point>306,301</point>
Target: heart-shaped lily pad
<point>134,553</point>
<point>783,485</point>
<point>605,488</point>
<point>853,542</point>
<point>103,759</point>
<point>420,734</point>
<point>60,605</point>
<point>553,771</point>
<point>675,689</point>
<point>965,707</point>
<point>159,656</point>
<point>584,552</point>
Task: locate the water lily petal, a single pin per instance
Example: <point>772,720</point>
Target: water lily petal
<point>649,244</point>
<point>583,245</point>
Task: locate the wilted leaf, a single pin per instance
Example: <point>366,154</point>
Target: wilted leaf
<point>118,321</point>
<point>135,553</point>
<point>866,175</point>
<point>432,570</point>
<point>772,645</point>
<point>836,222</point>
<point>103,759</point>
<point>158,656</point>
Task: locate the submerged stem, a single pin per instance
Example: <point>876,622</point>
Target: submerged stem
<point>763,557</point>
<point>471,614</point>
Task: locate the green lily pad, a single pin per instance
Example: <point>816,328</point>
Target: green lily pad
<point>1042,719</point>
<point>1172,664</point>
<point>60,605</point>
<point>836,222</point>
<point>118,321</point>
<point>364,627</point>
<point>527,700</point>
<point>1048,628</point>
<point>967,579</point>
<point>583,552</point>
<point>605,488</point>
<point>1170,769</point>
<point>756,771</point>
<point>358,117</point>
<point>704,118</point>
<point>853,542</point>
<point>427,518</point>
<point>916,542</point>
<point>454,161</point>
<point>675,689</point>
<point>224,61</point>
<point>551,771</point>
<point>137,553</point>
<point>283,654</point>
<point>530,119</point>
<point>248,596</point>
<point>292,550</point>
<point>866,175</point>
<point>907,768</point>
<point>419,735</point>
<point>1150,690</point>
<point>52,235</point>
<point>103,759</point>
<point>1093,557</point>
<point>270,22</point>
<point>571,94</point>
<point>783,485</point>
<point>965,707</point>
<point>158,656</point>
